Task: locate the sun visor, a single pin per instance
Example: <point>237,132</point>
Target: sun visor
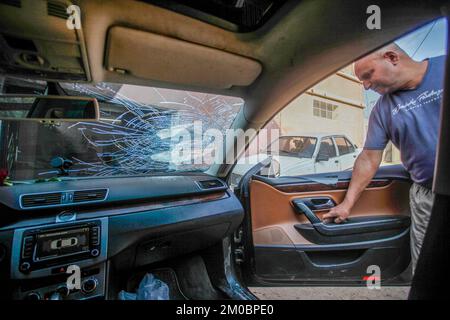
<point>155,57</point>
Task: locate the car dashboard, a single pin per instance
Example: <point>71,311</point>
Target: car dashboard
<point>49,231</point>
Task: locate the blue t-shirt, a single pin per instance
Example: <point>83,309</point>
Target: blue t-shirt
<point>410,119</point>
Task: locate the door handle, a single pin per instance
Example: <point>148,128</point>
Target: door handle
<point>301,207</point>
<point>327,204</point>
<point>318,203</point>
<point>307,206</point>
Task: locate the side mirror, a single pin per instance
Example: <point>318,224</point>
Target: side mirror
<point>322,157</point>
<point>273,170</point>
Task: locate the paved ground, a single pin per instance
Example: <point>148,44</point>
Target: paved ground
<point>330,293</point>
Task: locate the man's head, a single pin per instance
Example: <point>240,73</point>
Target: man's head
<point>384,70</point>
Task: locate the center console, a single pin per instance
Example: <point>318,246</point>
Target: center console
<point>60,261</point>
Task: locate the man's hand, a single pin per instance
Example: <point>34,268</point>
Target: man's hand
<point>366,165</point>
<point>337,214</point>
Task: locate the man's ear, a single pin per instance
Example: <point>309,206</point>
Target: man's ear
<point>391,56</point>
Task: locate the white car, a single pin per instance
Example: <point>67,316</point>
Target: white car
<point>303,154</point>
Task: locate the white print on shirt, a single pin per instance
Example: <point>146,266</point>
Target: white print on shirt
<point>422,99</point>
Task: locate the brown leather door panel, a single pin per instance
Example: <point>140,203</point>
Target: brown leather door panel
<point>273,215</point>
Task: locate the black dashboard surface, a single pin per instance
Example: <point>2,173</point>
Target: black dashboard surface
<point>144,219</point>
<point>172,198</point>
<point>120,189</point>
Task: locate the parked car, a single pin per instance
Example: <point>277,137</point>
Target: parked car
<point>304,154</point>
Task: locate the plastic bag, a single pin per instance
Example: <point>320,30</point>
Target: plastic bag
<point>123,295</point>
<point>150,288</point>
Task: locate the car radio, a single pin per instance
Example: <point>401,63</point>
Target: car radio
<point>46,247</point>
<point>47,251</point>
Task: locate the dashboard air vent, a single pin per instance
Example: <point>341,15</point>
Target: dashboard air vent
<point>57,9</point>
<point>63,198</point>
<point>41,200</point>
<point>89,195</point>
<point>210,184</point>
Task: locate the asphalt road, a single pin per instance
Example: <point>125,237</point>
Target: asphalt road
<point>330,293</point>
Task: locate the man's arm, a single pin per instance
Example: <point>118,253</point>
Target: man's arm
<point>366,165</point>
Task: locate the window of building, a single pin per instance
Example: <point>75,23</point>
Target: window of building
<point>323,109</point>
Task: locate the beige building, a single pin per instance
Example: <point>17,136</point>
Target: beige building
<point>335,106</point>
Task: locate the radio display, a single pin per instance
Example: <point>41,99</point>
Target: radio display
<point>55,243</point>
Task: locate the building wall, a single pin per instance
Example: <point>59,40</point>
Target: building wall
<point>345,93</point>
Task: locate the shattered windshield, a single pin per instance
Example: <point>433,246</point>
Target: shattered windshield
<point>136,134</point>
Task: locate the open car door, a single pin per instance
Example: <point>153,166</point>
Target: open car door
<point>291,244</point>
<point>285,241</point>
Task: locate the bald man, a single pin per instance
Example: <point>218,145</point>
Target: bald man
<point>407,113</point>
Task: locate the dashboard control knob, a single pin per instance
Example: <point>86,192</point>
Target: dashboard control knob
<point>63,291</point>
<point>25,267</point>
<point>55,296</point>
<point>32,296</point>
<point>89,285</point>
<point>95,253</point>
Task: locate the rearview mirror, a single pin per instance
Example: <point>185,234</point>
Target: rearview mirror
<point>48,108</point>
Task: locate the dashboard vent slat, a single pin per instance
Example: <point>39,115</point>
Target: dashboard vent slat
<point>13,3</point>
<point>57,9</point>
<point>89,195</point>
<point>63,198</point>
<point>40,200</point>
<point>211,184</point>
